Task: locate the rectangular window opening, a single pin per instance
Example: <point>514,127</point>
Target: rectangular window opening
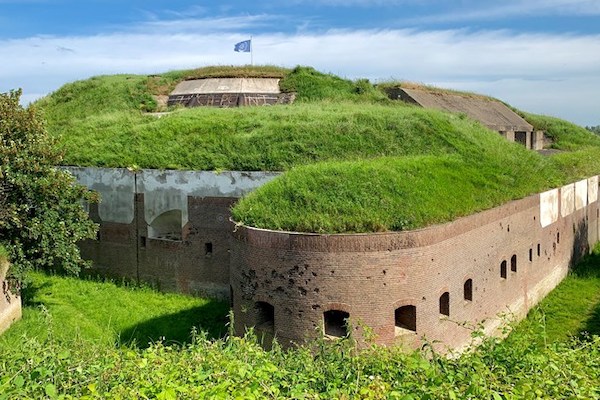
<point>208,248</point>
<point>530,255</point>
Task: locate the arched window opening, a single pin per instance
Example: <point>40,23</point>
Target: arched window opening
<point>336,323</point>
<point>468,290</point>
<point>405,319</point>
<point>445,304</point>
<point>265,316</point>
<point>503,269</point>
<point>513,263</point>
<point>166,226</point>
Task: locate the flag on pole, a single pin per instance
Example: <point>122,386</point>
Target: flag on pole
<point>243,47</point>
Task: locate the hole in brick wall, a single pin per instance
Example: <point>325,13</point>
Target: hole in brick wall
<point>445,304</point>
<point>335,322</point>
<point>98,237</point>
<point>265,316</point>
<point>557,237</point>
<point>143,241</point>
<point>539,249</point>
<point>513,263</point>
<point>503,269</point>
<point>468,290</point>
<point>530,254</point>
<point>405,319</point>
<point>208,248</point>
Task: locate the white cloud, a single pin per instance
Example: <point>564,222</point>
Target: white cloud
<point>481,10</point>
<point>544,73</point>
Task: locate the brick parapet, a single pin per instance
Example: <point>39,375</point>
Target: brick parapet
<point>373,275</point>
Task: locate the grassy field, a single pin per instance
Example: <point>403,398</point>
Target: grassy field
<point>109,313</point>
<point>98,339</point>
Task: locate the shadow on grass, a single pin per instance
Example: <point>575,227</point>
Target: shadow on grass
<point>177,328</point>
<point>30,293</point>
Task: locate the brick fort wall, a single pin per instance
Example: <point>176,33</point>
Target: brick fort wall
<point>431,284</point>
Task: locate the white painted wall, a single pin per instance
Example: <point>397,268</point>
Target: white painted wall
<point>549,207</point>
<point>164,190</point>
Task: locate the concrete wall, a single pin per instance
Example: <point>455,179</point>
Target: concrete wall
<point>370,276</point>
<point>137,206</point>
<point>10,304</point>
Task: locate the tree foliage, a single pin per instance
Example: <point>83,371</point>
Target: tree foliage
<point>41,212</point>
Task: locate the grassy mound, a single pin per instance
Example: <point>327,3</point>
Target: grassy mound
<point>379,164</point>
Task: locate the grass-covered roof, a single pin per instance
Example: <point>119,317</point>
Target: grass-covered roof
<point>355,160</point>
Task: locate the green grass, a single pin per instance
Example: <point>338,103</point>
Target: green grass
<point>68,345</point>
<point>268,138</point>
<point>571,310</point>
<point>386,194</point>
<point>107,313</point>
<point>356,161</point>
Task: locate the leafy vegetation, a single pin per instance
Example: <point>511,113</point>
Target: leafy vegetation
<point>60,350</point>
<point>42,218</point>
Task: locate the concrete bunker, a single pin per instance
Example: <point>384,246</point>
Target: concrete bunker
<point>491,113</point>
<point>229,92</point>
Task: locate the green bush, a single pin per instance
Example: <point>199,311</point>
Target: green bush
<point>42,215</point>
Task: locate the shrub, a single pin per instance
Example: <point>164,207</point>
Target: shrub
<point>42,215</point>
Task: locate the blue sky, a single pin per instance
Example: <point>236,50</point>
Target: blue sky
<point>542,56</point>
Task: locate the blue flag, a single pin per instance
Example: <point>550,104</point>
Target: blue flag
<point>243,47</point>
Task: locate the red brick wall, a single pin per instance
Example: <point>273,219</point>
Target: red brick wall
<point>370,275</point>
<point>125,250</point>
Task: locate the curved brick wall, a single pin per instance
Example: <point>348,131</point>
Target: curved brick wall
<point>369,276</point>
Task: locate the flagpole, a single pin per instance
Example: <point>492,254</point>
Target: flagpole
<point>251,52</point>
